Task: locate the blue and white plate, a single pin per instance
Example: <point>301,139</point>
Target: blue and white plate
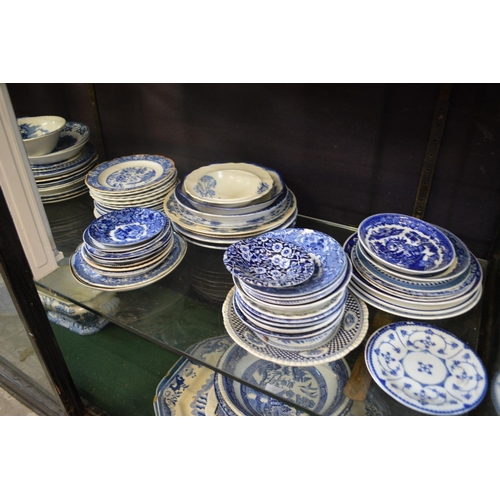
<point>319,388</point>
<point>406,244</point>
<point>350,334</point>
<point>426,368</point>
<point>91,277</point>
<point>131,173</point>
<point>495,392</point>
<point>73,138</point>
<point>47,172</point>
<point>264,261</point>
<point>127,227</point>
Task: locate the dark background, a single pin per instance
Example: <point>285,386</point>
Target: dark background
<point>346,150</point>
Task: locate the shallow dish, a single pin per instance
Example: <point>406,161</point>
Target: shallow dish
<point>127,227</point>
<point>495,392</point>
<point>228,184</point>
<point>72,140</point>
<point>426,368</point>
<point>406,244</point>
<point>131,173</point>
<point>320,388</point>
<point>267,262</point>
<point>40,133</point>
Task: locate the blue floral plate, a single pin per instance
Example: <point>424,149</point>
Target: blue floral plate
<point>406,244</point>
<point>268,262</point>
<point>127,227</point>
<point>426,368</point>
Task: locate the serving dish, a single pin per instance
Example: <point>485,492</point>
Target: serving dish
<point>406,244</point>
<point>40,133</point>
<point>426,368</point>
<point>71,142</point>
<point>228,184</point>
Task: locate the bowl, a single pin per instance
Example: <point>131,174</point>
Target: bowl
<point>40,133</point>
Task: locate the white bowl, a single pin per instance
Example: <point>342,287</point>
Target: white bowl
<point>228,184</point>
<point>40,133</point>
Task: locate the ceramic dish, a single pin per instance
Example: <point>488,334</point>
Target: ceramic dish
<point>495,392</point>
<point>320,388</point>
<point>264,261</point>
<point>72,140</point>
<point>350,334</point>
<point>426,368</point>
<point>127,227</point>
<point>40,133</point>
<point>228,184</point>
<point>88,328</point>
<point>406,244</point>
<point>50,170</point>
<point>89,276</point>
<point>131,173</point>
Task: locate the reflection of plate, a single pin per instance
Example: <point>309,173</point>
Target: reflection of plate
<point>406,244</point>
<point>352,330</point>
<point>73,138</point>
<point>426,368</point>
<point>495,392</point>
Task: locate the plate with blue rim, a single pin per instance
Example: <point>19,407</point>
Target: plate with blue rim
<point>127,227</point>
<point>264,261</point>
<point>91,277</point>
<point>406,244</point>
<point>131,173</point>
<point>86,155</point>
<point>319,389</point>
<point>426,368</point>
<point>72,140</point>
<point>353,329</point>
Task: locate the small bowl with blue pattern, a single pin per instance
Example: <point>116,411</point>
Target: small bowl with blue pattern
<point>267,262</point>
<point>40,133</point>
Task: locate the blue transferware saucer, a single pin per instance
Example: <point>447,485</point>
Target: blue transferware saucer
<point>268,262</point>
<point>89,276</point>
<point>319,388</point>
<point>406,244</point>
<point>127,227</point>
<point>131,173</point>
<point>495,392</point>
<point>42,172</point>
<point>426,368</point>
<point>352,330</point>
<point>72,140</point>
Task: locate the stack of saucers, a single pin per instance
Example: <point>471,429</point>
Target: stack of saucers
<point>127,249</point>
<point>60,175</point>
<point>131,181</point>
<point>410,268</point>
<point>217,205</point>
<point>290,303</point>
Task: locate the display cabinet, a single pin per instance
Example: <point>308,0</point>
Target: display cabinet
<point>346,152</point>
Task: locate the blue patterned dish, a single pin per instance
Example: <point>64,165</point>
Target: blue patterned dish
<point>406,244</point>
<point>40,133</point>
<point>319,388</point>
<point>352,330</point>
<point>426,368</point>
<point>131,173</point>
<point>86,155</point>
<point>228,184</point>
<point>127,227</point>
<point>268,262</point>
<point>72,140</point>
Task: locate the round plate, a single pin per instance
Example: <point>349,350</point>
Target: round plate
<point>406,244</point>
<point>318,388</point>
<point>127,227</point>
<point>426,368</point>
<point>228,184</point>
<point>352,330</point>
<point>131,173</point>
<point>268,262</point>
<point>495,392</point>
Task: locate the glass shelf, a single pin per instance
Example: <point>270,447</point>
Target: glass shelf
<point>185,307</point>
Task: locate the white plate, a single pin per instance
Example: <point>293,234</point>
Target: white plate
<point>426,368</point>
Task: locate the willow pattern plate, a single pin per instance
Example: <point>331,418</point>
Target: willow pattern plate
<point>426,368</point>
<point>407,244</point>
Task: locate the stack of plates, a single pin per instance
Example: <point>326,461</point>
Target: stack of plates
<point>219,204</point>
<point>413,269</point>
<point>60,175</point>
<point>319,388</point>
<point>290,303</point>
<point>131,181</point>
<point>127,249</point>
